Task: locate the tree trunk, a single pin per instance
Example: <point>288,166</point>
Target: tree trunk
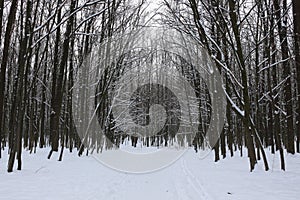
<point>17,146</point>
<point>240,59</point>
<point>56,102</point>
<point>296,15</point>
<point>54,119</point>
<point>282,29</point>
<point>7,37</point>
<point>1,113</point>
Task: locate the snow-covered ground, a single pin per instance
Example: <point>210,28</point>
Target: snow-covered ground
<point>188,178</point>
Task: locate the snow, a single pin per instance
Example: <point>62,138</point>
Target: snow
<point>188,178</point>
<point>241,112</point>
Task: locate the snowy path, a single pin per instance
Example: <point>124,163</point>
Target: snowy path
<point>187,179</point>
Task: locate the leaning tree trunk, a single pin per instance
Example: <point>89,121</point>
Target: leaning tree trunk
<point>1,15</point>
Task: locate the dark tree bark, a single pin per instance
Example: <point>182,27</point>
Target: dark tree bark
<point>54,118</point>
<point>18,100</point>
<point>5,56</point>
<point>296,15</point>
<point>57,95</point>
<point>244,76</point>
<point>1,113</point>
<point>282,29</point>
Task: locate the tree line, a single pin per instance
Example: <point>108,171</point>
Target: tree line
<point>254,44</point>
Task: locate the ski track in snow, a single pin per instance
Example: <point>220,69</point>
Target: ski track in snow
<point>189,187</point>
<point>195,182</point>
<point>188,178</point>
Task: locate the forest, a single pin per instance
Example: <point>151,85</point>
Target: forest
<point>46,88</point>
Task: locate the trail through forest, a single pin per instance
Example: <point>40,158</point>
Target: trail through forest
<point>188,178</point>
